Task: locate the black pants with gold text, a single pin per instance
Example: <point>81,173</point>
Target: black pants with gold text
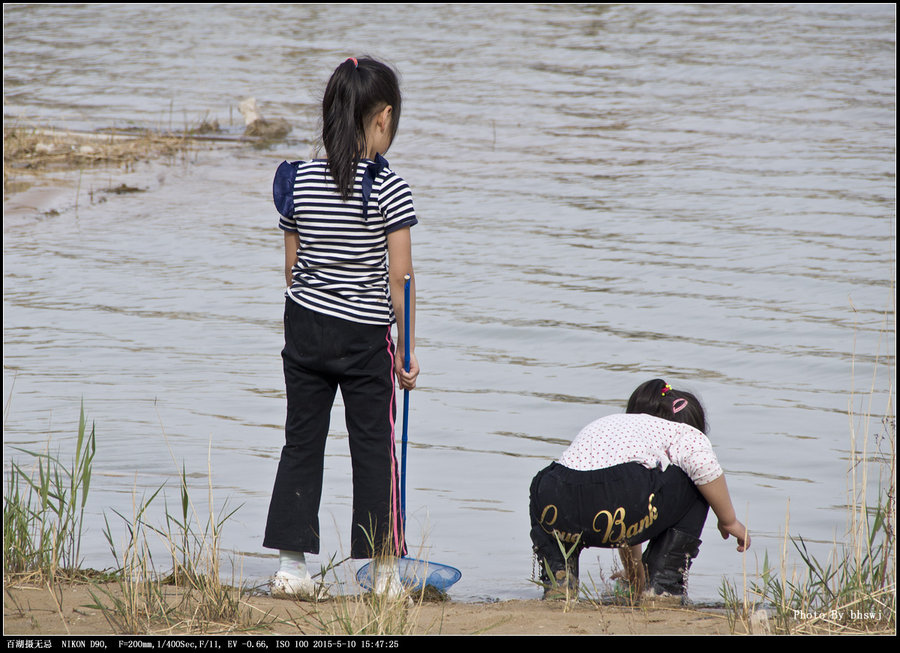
<point>321,354</point>
<point>623,505</point>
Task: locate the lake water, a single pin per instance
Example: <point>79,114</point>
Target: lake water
<point>606,194</point>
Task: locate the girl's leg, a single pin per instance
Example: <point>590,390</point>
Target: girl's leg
<point>668,559</point>
<point>367,387</point>
<point>545,546</point>
<point>557,552</point>
<point>671,550</point>
<point>293,521</point>
<point>687,509</point>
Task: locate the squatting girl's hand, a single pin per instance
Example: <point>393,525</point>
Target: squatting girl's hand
<point>739,531</point>
<point>407,380</point>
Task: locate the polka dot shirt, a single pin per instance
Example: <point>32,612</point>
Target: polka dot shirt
<point>651,441</point>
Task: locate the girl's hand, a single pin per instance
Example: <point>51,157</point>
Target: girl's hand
<point>633,572</point>
<point>407,380</point>
<point>716,494</point>
<point>737,529</point>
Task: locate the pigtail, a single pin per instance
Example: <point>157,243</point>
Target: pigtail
<point>343,130</point>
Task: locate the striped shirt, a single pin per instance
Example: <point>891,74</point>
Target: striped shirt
<point>638,438</point>
<point>342,263</point>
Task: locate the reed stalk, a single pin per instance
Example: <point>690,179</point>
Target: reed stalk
<point>853,589</point>
<point>190,596</point>
<point>43,510</point>
<point>43,517</point>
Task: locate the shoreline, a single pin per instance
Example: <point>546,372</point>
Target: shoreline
<point>51,610</point>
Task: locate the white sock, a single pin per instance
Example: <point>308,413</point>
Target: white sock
<point>387,574</point>
<point>387,564</point>
<point>387,571</point>
<point>293,563</point>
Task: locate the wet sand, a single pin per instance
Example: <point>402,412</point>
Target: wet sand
<point>36,611</point>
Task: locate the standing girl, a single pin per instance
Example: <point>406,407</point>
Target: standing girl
<point>346,221</point>
<point>649,475</point>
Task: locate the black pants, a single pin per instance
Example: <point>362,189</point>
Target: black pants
<point>323,353</point>
<point>622,505</point>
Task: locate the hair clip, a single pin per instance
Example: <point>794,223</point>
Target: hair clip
<point>355,62</point>
<point>679,405</point>
<point>666,388</point>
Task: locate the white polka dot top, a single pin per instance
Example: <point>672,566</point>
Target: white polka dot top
<point>651,441</point>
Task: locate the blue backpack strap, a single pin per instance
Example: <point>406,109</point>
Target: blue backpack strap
<point>283,188</point>
<point>368,180</point>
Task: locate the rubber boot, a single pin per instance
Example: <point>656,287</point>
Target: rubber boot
<point>564,581</point>
<point>668,558</point>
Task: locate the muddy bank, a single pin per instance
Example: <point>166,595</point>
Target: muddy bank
<point>31,151</point>
<point>47,171</point>
<point>44,166</point>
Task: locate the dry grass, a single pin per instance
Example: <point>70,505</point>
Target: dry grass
<point>32,150</point>
<point>853,590</point>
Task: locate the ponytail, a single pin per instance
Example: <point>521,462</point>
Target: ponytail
<point>358,89</point>
<point>657,398</point>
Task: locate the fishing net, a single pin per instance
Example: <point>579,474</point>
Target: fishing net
<point>415,575</point>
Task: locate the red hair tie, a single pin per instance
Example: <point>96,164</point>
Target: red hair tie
<point>666,388</point>
<point>355,62</point>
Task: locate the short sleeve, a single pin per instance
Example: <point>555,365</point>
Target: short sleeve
<point>693,453</point>
<point>395,203</point>
<point>283,194</point>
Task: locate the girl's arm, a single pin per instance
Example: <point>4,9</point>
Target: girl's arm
<point>291,245</point>
<point>716,494</point>
<point>399,244</point>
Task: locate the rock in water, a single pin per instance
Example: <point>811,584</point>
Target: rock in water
<point>257,126</point>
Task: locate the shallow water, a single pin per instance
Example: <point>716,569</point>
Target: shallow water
<point>606,194</point>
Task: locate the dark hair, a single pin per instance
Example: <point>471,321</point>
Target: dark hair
<point>358,88</point>
<point>657,398</point>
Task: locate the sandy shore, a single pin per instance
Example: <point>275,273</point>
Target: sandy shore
<point>40,611</point>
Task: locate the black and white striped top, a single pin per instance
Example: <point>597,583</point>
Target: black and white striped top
<point>342,266</point>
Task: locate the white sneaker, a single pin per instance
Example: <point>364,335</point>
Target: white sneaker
<point>387,582</point>
<point>288,586</point>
